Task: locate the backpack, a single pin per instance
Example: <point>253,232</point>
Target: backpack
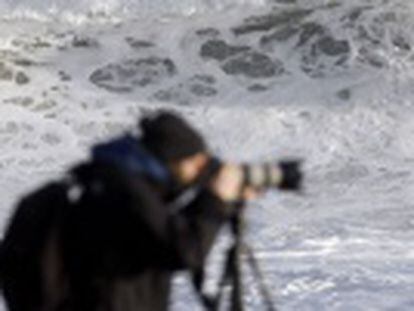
<point>22,249</point>
<point>128,154</point>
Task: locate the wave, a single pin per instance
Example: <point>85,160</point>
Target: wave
<point>335,73</point>
<point>69,9</point>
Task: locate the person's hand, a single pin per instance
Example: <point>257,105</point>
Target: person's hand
<point>227,185</point>
<point>228,182</point>
<point>250,193</point>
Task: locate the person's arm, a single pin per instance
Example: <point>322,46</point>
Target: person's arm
<point>197,226</point>
<point>188,235</point>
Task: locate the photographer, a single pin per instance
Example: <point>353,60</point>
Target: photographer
<point>110,236</point>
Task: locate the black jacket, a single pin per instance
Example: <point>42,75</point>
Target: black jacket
<point>114,245</point>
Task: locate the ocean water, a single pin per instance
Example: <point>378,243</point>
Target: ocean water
<point>326,81</point>
<point>77,9</point>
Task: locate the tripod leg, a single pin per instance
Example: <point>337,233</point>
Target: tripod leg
<point>237,292</point>
<point>264,290</point>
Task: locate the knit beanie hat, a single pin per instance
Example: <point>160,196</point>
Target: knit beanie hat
<point>170,137</point>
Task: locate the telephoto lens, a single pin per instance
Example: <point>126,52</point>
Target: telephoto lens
<point>285,175</point>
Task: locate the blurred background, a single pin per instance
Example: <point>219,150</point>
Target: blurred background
<point>331,82</point>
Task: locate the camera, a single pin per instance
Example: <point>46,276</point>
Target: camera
<point>284,175</point>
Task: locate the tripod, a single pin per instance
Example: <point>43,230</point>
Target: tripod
<point>232,272</point>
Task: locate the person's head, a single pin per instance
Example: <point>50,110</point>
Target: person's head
<point>177,144</point>
<point>187,170</point>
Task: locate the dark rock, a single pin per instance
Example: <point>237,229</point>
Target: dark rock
<point>333,47</point>
<point>208,79</point>
<point>20,101</point>
<point>285,1</point>
<point>401,43</point>
<point>50,115</point>
<point>125,76</point>
<point>305,115</point>
<point>342,60</point>
<point>320,52</point>
<point>220,50</point>
<point>64,76</point>
<point>253,65</point>
<point>344,94</point>
<point>84,42</point>
<point>313,65</point>
<point>24,62</point>
<point>355,13</point>
<point>365,35</point>
<point>117,89</point>
<point>208,32</point>
<point>51,139</point>
<point>270,21</point>
<point>164,95</point>
<point>21,78</point>
<point>138,44</point>
<point>280,35</point>
<point>45,105</point>
<point>369,57</point>
<point>387,17</point>
<point>188,91</point>
<point>310,30</point>
<point>175,95</point>
<point>39,43</point>
<point>257,88</point>
<point>6,74</point>
<point>203,90</point>
<point>102,75</point>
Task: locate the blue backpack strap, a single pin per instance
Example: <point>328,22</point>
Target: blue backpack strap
<point>127,153</point>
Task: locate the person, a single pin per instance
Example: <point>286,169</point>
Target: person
<point>112,233</point>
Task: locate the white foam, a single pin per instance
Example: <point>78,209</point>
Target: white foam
<point>81,10</point>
